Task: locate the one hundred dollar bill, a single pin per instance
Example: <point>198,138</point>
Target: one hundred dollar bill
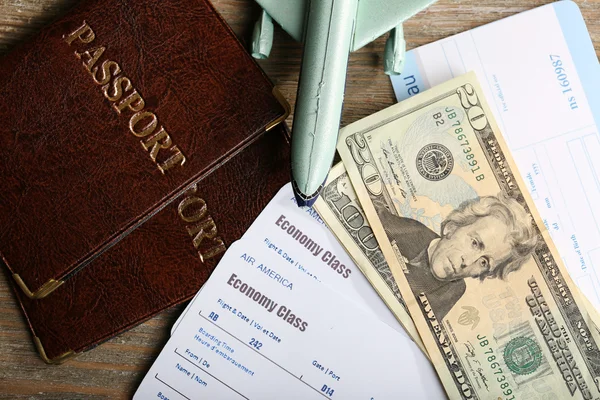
<point>341,211</point>
<point>482,280</point>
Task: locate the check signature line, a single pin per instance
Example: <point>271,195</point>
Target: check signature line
<point>262,355</point>
<point>208,373</point>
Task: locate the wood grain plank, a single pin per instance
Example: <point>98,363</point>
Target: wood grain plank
<point>114,369</point>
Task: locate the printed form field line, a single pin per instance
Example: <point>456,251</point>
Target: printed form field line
<point>453,58</point>
<point>586,173</point>
<point>170,387</point>
<point>594,257</point>
<point>554,137</point>
<point>592,146</point>
<point>546,163</point>
<point>262,355</point>
<point>447,62</point>
<point>587,286</point>
<point>208,373</point>
<point>492,93</point>
<point>460,56</point>
<point>542,163</point>
<point>577,152</point>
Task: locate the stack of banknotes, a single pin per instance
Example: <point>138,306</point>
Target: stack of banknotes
<point>430,205</point>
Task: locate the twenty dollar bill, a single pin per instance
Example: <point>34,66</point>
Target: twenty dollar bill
<point>482,280</point>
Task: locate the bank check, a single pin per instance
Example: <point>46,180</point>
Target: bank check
<point>541,76</point>
<point>251,336</point>
<point>304,243</point>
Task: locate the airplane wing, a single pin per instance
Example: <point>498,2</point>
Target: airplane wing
<point>290,14</point>
<point>374,18</point>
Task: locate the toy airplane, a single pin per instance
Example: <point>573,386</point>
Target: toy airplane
<point>330,29</point>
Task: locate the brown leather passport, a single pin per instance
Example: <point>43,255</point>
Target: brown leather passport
<point>159,264</point>
<point>107,117</point>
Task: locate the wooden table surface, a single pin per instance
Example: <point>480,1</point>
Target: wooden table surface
<point>114,369</point>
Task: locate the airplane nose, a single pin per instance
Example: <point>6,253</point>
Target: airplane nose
<point>303,199</point>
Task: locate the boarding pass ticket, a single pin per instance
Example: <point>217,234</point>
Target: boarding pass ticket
<point>250,336</point>
<point>303,241</point>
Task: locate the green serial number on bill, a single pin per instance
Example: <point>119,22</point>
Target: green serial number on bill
<point>495,366</point>
<point>462,138</point>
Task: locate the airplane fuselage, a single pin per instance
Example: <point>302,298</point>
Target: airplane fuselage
<point>327,42</point>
